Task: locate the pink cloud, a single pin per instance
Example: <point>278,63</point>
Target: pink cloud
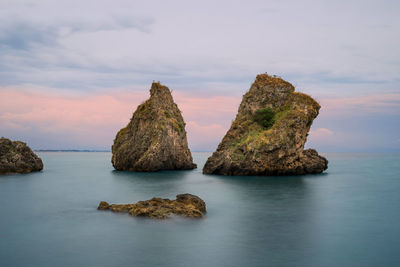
<point>83,120</point>
<point>320,133</point>
<point>373,103</point>
<point>208,110</point>
<point>94,120</point>
<point>65,110</point>
<point>204,137</point>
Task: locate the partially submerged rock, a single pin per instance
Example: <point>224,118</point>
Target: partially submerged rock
<point>269,133</point>
<point>17,157</point>
<point>185,205</point>
<point>155,138</point>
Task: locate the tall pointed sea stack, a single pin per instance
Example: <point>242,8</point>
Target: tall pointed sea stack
<point>269,133</point>
<point>155,138</point>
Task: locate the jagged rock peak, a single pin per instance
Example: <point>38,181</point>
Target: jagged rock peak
<point>17,157</point>
<point>269,132</point>
<point>157,89</point>
<point>155,138</point>
<point>266,91</point>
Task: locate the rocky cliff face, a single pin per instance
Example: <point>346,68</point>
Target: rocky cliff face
<point>269,133</point>
<point>185,205</point>
<point>155,138</point>
<point>17,157</point>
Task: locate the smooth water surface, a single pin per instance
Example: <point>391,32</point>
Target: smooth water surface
<point>349,216</point>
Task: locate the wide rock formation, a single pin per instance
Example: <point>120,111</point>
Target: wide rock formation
<point>155,138</point>
<point>269,133</point>
<point>185,205</point>
<point>17,157</point>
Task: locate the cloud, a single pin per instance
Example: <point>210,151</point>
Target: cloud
<point>320,133</point>
<point>65,60</point>
<point>206,137</point>
<point>382,103</point>
<point>89,44</point>
<point>53,119</point>
<point>25,29</point>
<point>78,121</point>
<point>207,110</point>
<point>74,120</point>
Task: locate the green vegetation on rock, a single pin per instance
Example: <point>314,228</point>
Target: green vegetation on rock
<point>269,132</point>
<point>264,117</point>
<point>155,138</point>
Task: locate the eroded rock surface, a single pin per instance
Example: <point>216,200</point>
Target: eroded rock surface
<point>269,132</point>
<point>185,205</point>
<point>17,157</point>
<point>155,138</point>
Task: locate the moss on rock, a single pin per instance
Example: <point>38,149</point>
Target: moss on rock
<point>155,138</point>
<point>269,132</point>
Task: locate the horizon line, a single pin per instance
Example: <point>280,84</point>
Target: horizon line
<point>203,151</point>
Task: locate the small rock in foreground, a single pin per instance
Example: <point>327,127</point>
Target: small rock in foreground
<point>17,157</point>
<point>185,205</point>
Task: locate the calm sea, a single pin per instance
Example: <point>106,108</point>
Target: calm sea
<point>349,216</point>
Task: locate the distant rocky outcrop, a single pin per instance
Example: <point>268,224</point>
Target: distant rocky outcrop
<point>155,138</point>
<point>269,133</point>
<point>17,157</point>
<point>185,205</point>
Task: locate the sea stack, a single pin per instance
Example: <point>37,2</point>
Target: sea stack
<point>17,157</point>
<point>269,132</point>
<point>155,138</point>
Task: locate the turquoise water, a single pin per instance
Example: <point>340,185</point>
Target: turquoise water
<point>349,216</point>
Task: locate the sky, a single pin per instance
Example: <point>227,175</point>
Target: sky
<point>73,72</point>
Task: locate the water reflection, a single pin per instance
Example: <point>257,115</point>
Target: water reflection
<point>153,177</point>
<point>273,214</point>
<point>145,185</point>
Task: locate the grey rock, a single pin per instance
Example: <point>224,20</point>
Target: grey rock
<point>17,157</point>
<point>272,144</point>
<point>185,205</point>
<point>155,138</point>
